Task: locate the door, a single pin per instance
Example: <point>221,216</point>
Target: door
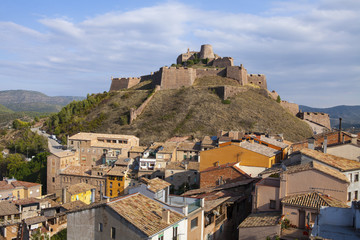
<point>301,219</point>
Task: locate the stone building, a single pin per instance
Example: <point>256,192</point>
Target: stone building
<point>12,189</point>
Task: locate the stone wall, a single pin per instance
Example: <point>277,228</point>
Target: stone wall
<point>123,83</point>
<point>134,113</point>
<point>210,72</point>
<point>225,92</point>
<point>173,78</point>
<point>223,62</point>
<point>293,108</point>
<point>257,79</point>
<point>317,117</point>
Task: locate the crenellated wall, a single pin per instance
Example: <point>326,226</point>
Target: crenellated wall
<point>123,83</point>
<point>317,117</point>
<point>223,62</point>
<point>172,77</point>
<point>293,108</point>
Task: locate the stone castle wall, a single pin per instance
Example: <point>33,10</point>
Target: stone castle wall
<point>210,72</point>
<point>134,113</point>
<point>226,92</point>
<point>258,80</point>
<point>237,73</point>
<point>172,77</point>
<point>316,117</point>
<point>123,83</point>
<point>293,108</point>
<point>223,62</point>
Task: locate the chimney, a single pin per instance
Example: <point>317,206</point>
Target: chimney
<point>339,139</point>
<point>166,215</point>
<point>311,143</point>
<point>325,144</point>
<point>64,195</point>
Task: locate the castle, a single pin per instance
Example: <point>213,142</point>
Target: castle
<point>177,77</point>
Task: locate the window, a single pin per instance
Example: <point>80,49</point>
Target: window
<point>349,196</point>
<point>110,184</point>
<point>356,177</point>
<point>355,195</point>
<point>175,232</point>
<point>272,204</point>
<point>350,177</point>
<point>194,223</point>
<point>100,227</point>
<point>161,236</point>
<point>110,192</point>
<point>53,179</point>
<point>113,232</point>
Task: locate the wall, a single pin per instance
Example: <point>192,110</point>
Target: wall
<point>310,180</point>
<point>134,113</point>
<point>257,79</point>
<point>195,233</point>
<point>237,73</point>
<point>123,83</point>
<point>263,196</point>
<point>293,108</point>
<point>223,62</point>
<point>84,197</point>
<point>69,180</point>
<point>232,153</point>
<point>320,118</point>
<point>292,213</point>
<point>210,72</point>
<point>177,177</point>
<point>259,233</point>
<point>225,92</point>
<point>81,225</point>
<point>173,78</point>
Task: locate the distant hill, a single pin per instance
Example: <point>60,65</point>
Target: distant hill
<point>350,115</point>
<point>195,111</point>
<point>4,109</point>
<point>32,101</point>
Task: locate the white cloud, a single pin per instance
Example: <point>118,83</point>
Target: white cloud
<point>301,46</point>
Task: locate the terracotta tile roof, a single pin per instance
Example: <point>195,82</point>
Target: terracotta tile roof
<point>155,184</point>
<point>124,161</point>
<point>269,181</point>
<point>340,163</point>
<point>261,220</point>
<point>317,166</point>
<point>138,149</point>
<point>8,208</point>
<point>189,146</point>
<point>144,213</point>
<point>117,171</point>
<point>74,205</point>
<point>35,220</point>
<point>79,188</point>
<point>207,141</point>
<point>163,147</point>
<point>178,139</point>
<point>5,185</point>
<point>26,201</point>
<point>77,171</point>
<point>180,166</point>
<point>258,148</point>
<point>273,142</point>
<point>313,200</point>
<point>228,165</point>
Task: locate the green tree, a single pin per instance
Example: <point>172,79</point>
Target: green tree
<point>278,99</point>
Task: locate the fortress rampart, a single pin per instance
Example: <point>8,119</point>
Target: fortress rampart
<point>293,108</point>
<point>123,83</point>
<point>317,117</point>
<point>257,79</point>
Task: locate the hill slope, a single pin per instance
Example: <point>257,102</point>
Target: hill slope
<point>32,101</point>
<point>193,111</point>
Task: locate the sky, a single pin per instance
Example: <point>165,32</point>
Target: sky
<point>308,49</point>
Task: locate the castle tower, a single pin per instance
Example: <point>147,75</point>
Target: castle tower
<point>206,52</point>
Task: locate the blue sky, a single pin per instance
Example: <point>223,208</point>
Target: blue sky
<point>309,50</point>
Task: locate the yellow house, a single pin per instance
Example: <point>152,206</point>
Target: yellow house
<point>81,191</point>
<point>11,189</point>
<point>115,181</point>
<point>247,154</point>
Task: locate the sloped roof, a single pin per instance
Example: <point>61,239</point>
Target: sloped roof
<point>144,213</point>
<point>163,147</point>
<point>79,188</point>
<point>4,185</point>
<point>155,184</point>
<point>94,136</point>
<point>317,166</point>
<point>117,171</point>
<point>273,142</point>
<point>340,163</point>
<point>261,220</point>
<point>227,165</point>
<point>65,153</point>
<point>8,208</point>
<point>139,149</point>
<point>35,220</point>
<point>189,146</point>
<point>258,148</point>
<point>76,170</point>
<point>313,200</point>
<point>74,205</point>
<point>180,166</point>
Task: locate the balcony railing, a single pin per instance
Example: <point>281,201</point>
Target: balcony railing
<point>220,219</point>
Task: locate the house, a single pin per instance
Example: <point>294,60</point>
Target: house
<point>349,151</point>
<point>56,162</point>
<point>259,226</point>
<point>302,209</point>
<point>224,208</point>
<point>247,154</point>
<point>155,188</point>
<point>349,168</point>
<point>81,191</point>
<point>219,175</point>
<point>277,145</point>
<point>95,176</point>
<point>134,216</point>
<point>266,196</point>
<point>120,177</point>
<point>183,174</point>
<point>208,142</point>
<point>12,189</point>
<point>99,148</point>
<point>188,151</point>
<point>10,218</point>
<point>338,223</point>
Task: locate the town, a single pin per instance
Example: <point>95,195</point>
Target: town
<point>233,185</point>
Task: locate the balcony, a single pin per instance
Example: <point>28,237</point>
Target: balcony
<point>220,219</point>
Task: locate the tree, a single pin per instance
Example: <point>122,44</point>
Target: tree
<point>278,99</point>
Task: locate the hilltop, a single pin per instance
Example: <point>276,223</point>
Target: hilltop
<point>195,110</point>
